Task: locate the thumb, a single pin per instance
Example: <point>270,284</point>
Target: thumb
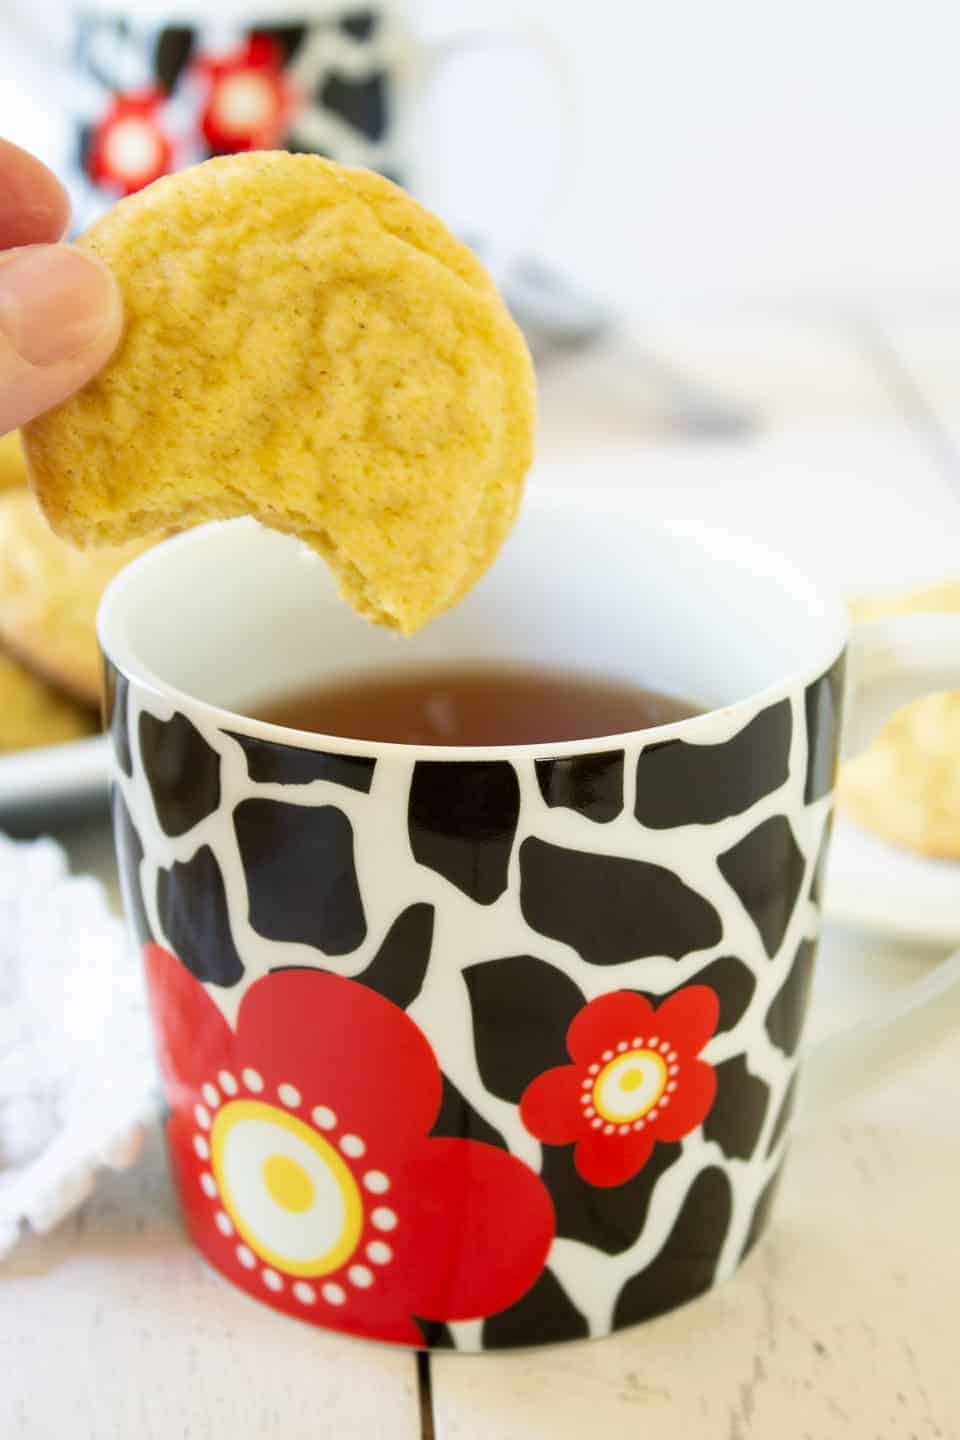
<point>60,319</point>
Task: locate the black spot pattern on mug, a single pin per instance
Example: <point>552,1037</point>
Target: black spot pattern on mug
<point>823,703</point>
<point>609,1217</point>
<point>462,820</point>
<point>592,785</point>
<point>679,783</point>
<point>360,25</point>
<point>298,883</point>
<point>270,763</point>
<point>84,142</point>
<point>458,1120</point>
<point>172,54</point>
<point>522,1008</point>
<point>766,871</point>
<point>731,981</point>
<point>737,1115</point>
<point>192,906</point>
<point>687,1262</point>
<point>129,855</point>
<point>301,878</point>
<point>783,1117</point>
<point>115,710</point>
<point>288,40</point>
<point>182,770</point>
<point>437,1335</point>
<point>611,909</point>
<point>761,1213</point>
<point>399,966</point>
<point>361,103</point>
<point>788,1008</point>
<point>543,1316</point>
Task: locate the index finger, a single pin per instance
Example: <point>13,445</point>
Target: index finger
<point>34,208</point>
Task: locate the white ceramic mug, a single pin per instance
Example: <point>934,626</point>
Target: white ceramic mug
<point>493,1046</point>
<point>145,86</point>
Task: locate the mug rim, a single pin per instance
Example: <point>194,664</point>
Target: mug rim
<point>827,598</point>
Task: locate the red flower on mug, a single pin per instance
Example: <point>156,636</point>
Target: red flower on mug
<point>249,98</point>
<point>305,1167</point>
<point>635,1079</point>
<point>128,147</point>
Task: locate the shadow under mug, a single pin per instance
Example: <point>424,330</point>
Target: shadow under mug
<point>477,1047</point>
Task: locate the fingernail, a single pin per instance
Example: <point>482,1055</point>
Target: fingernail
<point>55,302</point>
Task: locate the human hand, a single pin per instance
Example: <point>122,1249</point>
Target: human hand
<point>60,309</point>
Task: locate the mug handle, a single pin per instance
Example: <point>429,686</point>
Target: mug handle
<point>500,254</point>
<point>911,656</point>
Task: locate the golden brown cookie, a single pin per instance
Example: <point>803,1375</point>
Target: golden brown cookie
<point>306,344</point>
<point>906,787</point>
<point>943,596</point>
<point>31,713</point>
<point>49,595</point>
<point>13,467</point>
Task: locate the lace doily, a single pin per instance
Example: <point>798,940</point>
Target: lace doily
<point>77,1076</point>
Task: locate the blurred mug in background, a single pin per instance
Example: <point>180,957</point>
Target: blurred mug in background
<point>146,87</point>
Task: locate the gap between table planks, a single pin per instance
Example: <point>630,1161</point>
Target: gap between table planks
<point>112,1328</point>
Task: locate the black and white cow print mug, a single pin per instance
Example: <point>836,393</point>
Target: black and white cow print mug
<point>151,86</point>
<point>486,1047</point>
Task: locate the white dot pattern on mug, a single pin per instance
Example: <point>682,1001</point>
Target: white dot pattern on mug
<point>731,1159</point>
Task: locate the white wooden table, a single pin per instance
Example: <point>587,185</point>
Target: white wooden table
<point>843,1323</point>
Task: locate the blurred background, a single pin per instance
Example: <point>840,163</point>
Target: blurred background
<point>719,152</point>
<point>731,233</point>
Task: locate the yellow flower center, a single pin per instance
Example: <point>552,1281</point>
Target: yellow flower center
<point>288,1183</point>
<point>630,1086</point>
<point>290,1195</point>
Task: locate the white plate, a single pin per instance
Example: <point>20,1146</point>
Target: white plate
<point>871,883</point>
<point>53,782</point>
<point>879,887</point>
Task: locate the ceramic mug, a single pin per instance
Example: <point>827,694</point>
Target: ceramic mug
<point>150,86</point>
<point>477,1047</point>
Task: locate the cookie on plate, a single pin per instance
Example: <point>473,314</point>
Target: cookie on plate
<point>306,344</point>
<point>13,467</point>
<point>906,786</point>
<point>942,596</point>
<point>32,714</point>
<point>49,595</point>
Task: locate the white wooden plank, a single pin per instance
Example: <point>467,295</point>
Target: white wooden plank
<point>112,1327</point>
<point>840,1326</point>
<point>862,504</point>
<point>840,472</point>
<point>780,369</point>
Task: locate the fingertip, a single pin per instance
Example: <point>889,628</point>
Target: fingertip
<point>61,318</point>
<point>112,299</point>
<point>36,207</point>
<point>56,303</point>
